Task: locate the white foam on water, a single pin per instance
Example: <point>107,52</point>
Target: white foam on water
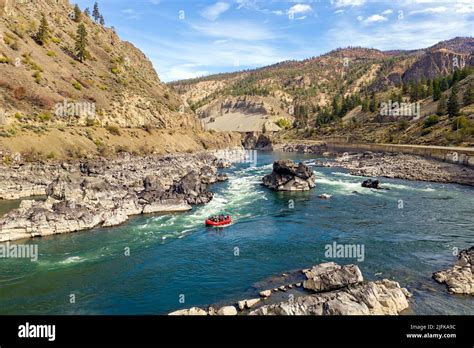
<point>243,190</point>
<point>72,259</point>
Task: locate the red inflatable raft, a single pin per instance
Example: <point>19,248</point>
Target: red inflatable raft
<point>219,223</point>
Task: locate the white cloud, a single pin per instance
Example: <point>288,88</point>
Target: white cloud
<point>376,18</point>
<point>387,12</point>
<point>299,9</point>
<point>214,11</point>
<point>440,9</point>
<point>346,3</point>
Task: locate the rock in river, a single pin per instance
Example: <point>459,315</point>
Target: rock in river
<point>289,176</point>
<point>460,278</point>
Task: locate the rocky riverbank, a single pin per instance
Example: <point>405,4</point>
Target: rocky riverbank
<point>104,192</point>
<point>391,165</point>
<point>325,289</point>
<point>459,279</point>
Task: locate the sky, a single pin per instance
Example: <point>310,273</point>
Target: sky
<point>192,38</point>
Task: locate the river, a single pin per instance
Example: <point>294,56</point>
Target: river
<point>159,263</point>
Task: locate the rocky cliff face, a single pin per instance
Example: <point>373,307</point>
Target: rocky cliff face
<point>437,63</point>
<point>116,78</point>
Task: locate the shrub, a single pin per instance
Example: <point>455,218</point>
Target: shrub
<point>77,86</point>
<point>403,124</point>
<point>431,121</point>
<point>56,40</point>
<point>426,131</point>
<point>44,117</point>
<point>51,54</point>
<point>112,129</point>
<point>283,123</point>
<point>51,155</point>
<point>37,76</point>
<point>459,122</point>
<point>5,60</point>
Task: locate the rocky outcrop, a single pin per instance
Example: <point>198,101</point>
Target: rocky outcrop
<point>459,279</point>
<point>255,141</point>
<point>329,289</point>
<point>373,184</point>
<point>289,176</point>
<point>330,276</point>
<point>107,193</point>
<point>373,298</point>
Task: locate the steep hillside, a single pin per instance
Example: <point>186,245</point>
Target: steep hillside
<point>320,93</point>
<point>116,76</point>
<point>46,84</point>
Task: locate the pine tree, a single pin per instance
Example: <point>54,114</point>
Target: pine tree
<point>436,90</point>
<point>102,20</point>
<point>81,43</point>
<point>43,31</point>
<point>430,88</point>
<point>453,106</point>
<point>468,97</point>
<point>373,107</point>
<point>77,14</point>
<point>96,12</point>
<point>442,107</point>
<point>444,84</point>
<point>456,77</point>
<point>335,106</point>
<point>365,103</point>
<point>87,12</point>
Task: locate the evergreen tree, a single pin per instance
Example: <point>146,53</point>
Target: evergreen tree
<point>436,90</point>
<point>404,88</point>
<point>453,105</point>
<point>77,14</point>
<point>444,84</point>
<point>81,43</point>
<point>413,92</point>
<point>456,77</point>
<point>468,97</point>
<point>442,106</point>
<point>87,12</point>
<point>102,20</point>
<point>373,107</point>
<point>96,12</point>
<point>335,106</point>
<point>429,91</point>
<point>43,31</point>
<point>365,103</point>
<point>399,98</point>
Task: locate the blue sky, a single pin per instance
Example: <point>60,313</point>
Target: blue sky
<point>190,38</point>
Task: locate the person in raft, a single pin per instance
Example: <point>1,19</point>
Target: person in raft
<point>219,218</point>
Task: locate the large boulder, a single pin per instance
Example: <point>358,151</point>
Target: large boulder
<point>289,176</point>
<point>369,183</point>
<point>331,276</point>
<point>459,279</point>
